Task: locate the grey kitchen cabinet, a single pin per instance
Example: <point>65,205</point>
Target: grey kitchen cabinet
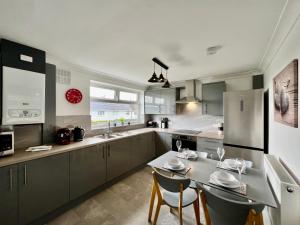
<point>163,143</point>
<point>151,150</point>
<point>212,98</point>
<point>9,195</point>
<point>118,157</point>
<point>210,146</point>
<point>43,186</point>
<point>161,101</point>
<point>143,149</point>
<point>87,169</point>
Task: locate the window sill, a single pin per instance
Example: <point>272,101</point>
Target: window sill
<point>118,128</point>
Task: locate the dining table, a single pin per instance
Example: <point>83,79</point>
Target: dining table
<point>200,169</point>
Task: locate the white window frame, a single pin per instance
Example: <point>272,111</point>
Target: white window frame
<point>117,99</point>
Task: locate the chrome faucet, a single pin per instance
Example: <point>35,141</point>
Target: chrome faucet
<point>109,129</point>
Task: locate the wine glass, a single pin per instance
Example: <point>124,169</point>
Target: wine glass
<point>240,166</point>
<point>178,145</point>
<point>221,153</point>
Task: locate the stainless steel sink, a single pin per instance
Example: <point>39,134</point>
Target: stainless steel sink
<point>102,136</point>
<point>110,136</point>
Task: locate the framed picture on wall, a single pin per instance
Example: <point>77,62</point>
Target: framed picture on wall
<point>285,95</point>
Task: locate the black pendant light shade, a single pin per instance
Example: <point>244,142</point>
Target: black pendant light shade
<point>161,78</point>
<point>166,84</point>
<point>153,78</point>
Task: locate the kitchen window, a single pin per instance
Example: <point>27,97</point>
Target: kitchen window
<point>114,104</point>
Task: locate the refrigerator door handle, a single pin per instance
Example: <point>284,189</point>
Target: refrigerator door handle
<point>242,105</point>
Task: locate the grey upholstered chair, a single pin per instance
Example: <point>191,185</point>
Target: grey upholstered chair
<point>174,192</point>
<point>221,208</point>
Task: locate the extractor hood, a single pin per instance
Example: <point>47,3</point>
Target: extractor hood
<point>190,90</point>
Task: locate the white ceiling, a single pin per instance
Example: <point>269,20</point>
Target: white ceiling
<point>121,37</point>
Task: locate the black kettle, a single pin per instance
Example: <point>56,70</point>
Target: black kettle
<point>78,133</point>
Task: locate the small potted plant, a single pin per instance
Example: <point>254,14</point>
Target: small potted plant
<point>122,121</point>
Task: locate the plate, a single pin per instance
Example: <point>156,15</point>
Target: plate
<point>230,163</point>
<point>181,167</point>
<point>233,185</point>
<point>174,163</point>
<point>192,155</point>
<point>224,177</point>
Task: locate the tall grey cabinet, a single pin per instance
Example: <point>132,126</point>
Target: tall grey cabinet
<point>8,196</point>
<point>43,186</point>
<point>212,98</point>
<point>87,169</point>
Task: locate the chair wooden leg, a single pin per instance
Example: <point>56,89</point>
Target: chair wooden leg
<point>153,193</point>
<point>203,201</point>
<point>159,203</point>
<point>180,216</point>
<point>197,211</point>
<point>259,219</point>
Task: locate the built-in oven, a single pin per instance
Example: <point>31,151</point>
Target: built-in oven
<point>189,142</point>
<point>6,143</point>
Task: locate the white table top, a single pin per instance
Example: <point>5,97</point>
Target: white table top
<point>258,188</point>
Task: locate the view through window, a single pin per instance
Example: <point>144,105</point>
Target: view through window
<point>111,104</point>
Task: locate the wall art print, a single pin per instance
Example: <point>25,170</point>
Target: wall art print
<point>285,94</point>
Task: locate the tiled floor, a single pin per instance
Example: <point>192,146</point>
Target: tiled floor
<point>124,203</point>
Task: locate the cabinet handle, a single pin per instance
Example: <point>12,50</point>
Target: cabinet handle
<point>108,146</point>
<point>103,151</point>
<point>213,142</point>
<point>25,174</point>
<point>212,149</point>
<point>10,179</point>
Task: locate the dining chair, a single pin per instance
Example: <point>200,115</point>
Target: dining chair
<point>174,192</point>
<point>221,208</point>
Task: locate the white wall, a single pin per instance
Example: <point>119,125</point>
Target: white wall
<point>285,46</point>
<point>80,79</point>
<point>239,84</point>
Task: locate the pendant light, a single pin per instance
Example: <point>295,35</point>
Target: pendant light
<point>153,78</point>
<point>161,78</point>
<point>166,84</point>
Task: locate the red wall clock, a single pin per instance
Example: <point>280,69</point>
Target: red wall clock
<point>73,96</point>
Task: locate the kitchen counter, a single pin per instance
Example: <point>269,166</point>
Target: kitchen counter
<point>203,134</point>
<point>22,156</point>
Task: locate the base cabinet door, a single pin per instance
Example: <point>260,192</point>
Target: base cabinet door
<point>9,195</point>
<point>43,186</point>
<point>142,148</point>
<point>138,150</point>
<point>150,143</point>
<point>118,158</point>
<point>87,169</point>
<point>163,142</point>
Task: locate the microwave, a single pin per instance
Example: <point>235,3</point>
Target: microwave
<point>6,143</point>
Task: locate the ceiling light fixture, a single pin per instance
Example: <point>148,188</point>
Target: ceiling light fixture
<point>153,78</point>
<point>166,84</point>
<point>161,78</point>
<point>213,49</point>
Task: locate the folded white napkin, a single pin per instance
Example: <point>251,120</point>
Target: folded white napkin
<point>39,148</point>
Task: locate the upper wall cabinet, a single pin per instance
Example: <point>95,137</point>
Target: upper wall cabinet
<point>212,98</point>
<point>160,101</point>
